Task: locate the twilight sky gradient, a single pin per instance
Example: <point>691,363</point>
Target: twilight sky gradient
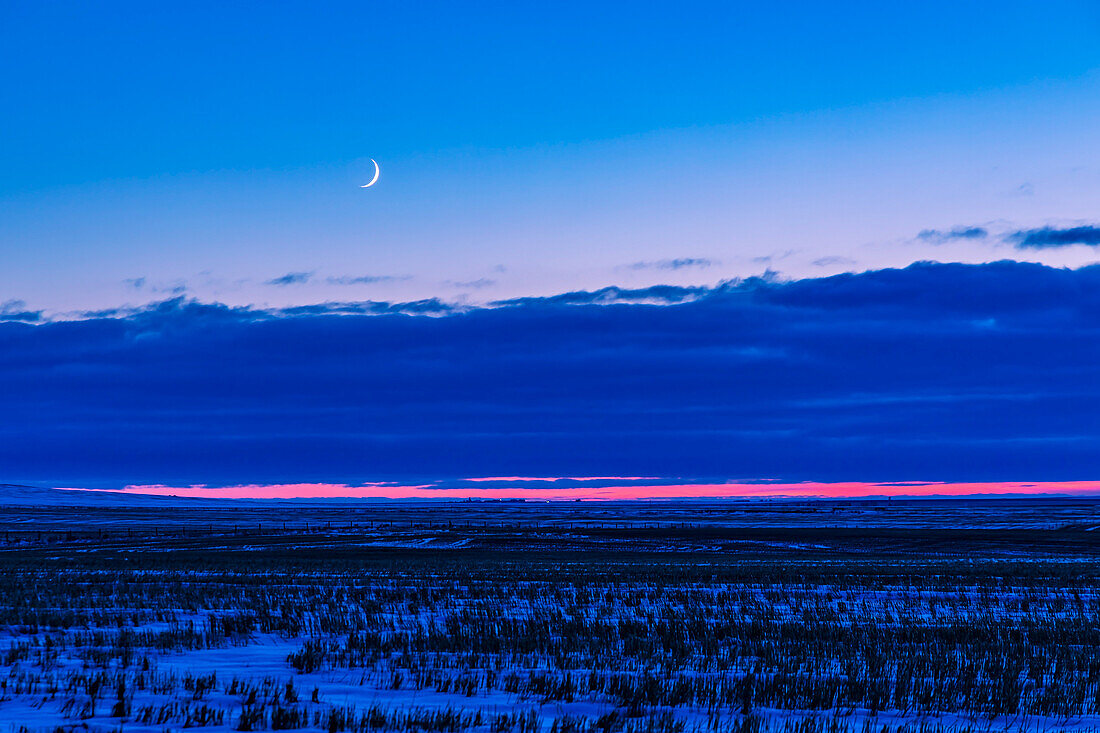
<point>671,240</point>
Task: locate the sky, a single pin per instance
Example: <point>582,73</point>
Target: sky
<point>705,242</point>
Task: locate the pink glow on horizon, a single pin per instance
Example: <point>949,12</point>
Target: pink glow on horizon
<point>809,489</point>
<point>563,478</point>
<point>279,491</point>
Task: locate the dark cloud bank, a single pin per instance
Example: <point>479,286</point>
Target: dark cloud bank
<point>935,371</point>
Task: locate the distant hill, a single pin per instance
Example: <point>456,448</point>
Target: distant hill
<point>23,495</point>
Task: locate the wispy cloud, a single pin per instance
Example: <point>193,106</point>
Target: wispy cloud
<point>1053,237</point>
<point>939,236</point>
<point>773,257</point>
<point>675,264</point>
<point>16,310</point>
<point>833,260</point>
<point>291,278</point>
<point>365,279</point>
<point>478,284</point>
<point>177,287</point>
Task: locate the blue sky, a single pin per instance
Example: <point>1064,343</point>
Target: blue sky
<point>686,241</point>
<point>213,149</point>
<point>128,90</point>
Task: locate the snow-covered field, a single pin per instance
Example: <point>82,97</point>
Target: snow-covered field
<point>445,631</point>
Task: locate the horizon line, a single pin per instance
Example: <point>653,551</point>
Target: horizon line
<point>607,488</point>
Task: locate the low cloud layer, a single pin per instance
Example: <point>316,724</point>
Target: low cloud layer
<point>933,372</point>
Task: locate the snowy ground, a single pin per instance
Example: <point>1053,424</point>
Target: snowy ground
<point>566,629</point>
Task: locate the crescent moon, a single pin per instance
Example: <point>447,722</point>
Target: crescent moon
<point>376,172</point>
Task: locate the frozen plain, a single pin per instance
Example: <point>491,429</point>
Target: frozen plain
<point>800,616</point>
